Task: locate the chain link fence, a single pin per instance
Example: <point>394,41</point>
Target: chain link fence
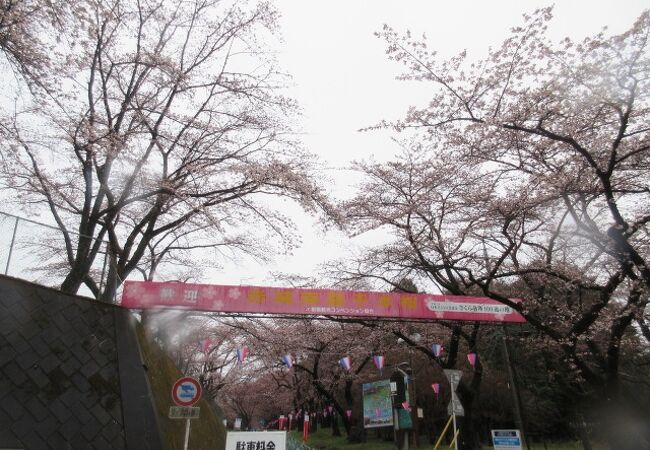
<point>35,251</point>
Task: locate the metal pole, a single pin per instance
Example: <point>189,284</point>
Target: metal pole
<point>515,387</point>
<point>101,279</point>
<point>455,432</point>
<point>11,247</point>
<point>187,434</point>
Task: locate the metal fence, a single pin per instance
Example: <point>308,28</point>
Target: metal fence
<point>35,251</point>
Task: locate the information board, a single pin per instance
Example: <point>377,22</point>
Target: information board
<point>377,404</point>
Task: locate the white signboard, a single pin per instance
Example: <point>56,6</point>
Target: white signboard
<point>506,439</point>
<point>184,412</point>
<point>455,406</point>
<point>263,440</point>
<point>454,377</point>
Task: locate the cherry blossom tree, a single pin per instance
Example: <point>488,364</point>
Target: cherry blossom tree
<point>526,177</point>
<point>165,131</point>
<point>26,29</point>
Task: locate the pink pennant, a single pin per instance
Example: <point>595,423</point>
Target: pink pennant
<point>436,388</point>
<point>471,357</point>
<point>406,406</point>
<point>205,345</point>
<point>348,413</point>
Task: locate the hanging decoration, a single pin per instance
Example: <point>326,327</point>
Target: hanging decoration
<point>346,363</point>
<point>205,344</point>
<point>379,363</point>
<point>287,360</point>
<point>437,349</point>
<point>242,353</point>
<point>348,413</point>
<point>471,357</point>
<point>330,408</point>
<point>436,388</point>
<point>406,405</point>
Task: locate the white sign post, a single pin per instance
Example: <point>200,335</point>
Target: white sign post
<point>506,439</point>
<point>455,407</point>
<point>185,393</point>
<point>268,440</point>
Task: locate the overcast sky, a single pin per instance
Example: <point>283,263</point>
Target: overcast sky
<point>343,80</point>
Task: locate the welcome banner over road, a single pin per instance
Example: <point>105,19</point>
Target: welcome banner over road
<point>322,302</point>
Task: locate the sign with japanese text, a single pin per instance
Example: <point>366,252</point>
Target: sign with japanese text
<point>322,302</point>
<point>257,440</point>
<point>184,412</point>
<point>506,439</point>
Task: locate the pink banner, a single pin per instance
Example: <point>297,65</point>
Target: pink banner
<point>321,302</point>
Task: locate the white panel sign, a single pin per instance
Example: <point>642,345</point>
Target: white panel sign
<point>263,440</point>
<point>184,412</point>
<point>506,439</point>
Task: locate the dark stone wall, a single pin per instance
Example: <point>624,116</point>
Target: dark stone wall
<point>60,367</point>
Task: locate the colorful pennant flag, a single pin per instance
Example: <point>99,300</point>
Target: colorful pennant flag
<point>346,363</point>
<point>330,408</point>
<point>287,360</point>
<point>348,413</point>
<point>406,406</point>
<point>471,357</point>
<point>205,345</point>
<point>436,388</point>
<point>242,353</point>
<point>379,363</point>
<point>437,349</point>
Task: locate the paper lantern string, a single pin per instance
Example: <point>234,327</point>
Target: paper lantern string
<point>287,360</point>
<point>242,353</point>
<point>379,363</point>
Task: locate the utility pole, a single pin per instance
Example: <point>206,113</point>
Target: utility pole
<point>515,388</point>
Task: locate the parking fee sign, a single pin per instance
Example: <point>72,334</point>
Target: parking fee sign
<point>186,391</point>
